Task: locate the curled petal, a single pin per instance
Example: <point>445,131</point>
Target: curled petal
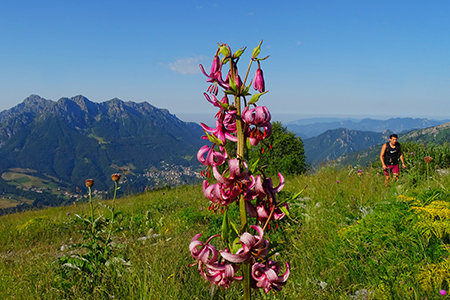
<point>258,116</point>
<point>213,158</point>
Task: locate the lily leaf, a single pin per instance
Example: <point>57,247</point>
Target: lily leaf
<point>224,105</point>
<point>254,166</point>
<point>213,139</point>
<point>239,52</point>
<point>255,97</point>
<point>235,246</point>
<point>225,227</point>
<point>284,210</point>
<point>257,50</point>
<point>234,232</point>
<point>224,50</point>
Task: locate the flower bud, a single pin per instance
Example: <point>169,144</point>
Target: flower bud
<point>89,183</point>
<point>258,81</point>
<point>115,177</point>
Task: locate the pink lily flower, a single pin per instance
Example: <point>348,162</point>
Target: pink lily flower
<point>266,189</point>
<point>255,134</point>
<point>253,247</point>
<point>258,116</point>
<point>235,174</point>
<point>213,158</point>
<point>206,253</point>
<point>220,274</point>
<point>218,194</point>
<point>215,77</point>
<point>220,132</point>
<point>258,81</point>
<point>266,277</point>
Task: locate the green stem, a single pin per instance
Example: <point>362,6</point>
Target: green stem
<point>242,209</point>
<point>92,210</point>
<point>113,215</point>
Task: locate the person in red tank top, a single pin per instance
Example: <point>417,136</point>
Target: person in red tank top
<point>390,153</point>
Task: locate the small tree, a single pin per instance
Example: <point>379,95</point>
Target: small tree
<point>282,152</point>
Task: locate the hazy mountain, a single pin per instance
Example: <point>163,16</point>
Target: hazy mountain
<point>335,143</point>
<point>73,139</point>
<point>313,127</point>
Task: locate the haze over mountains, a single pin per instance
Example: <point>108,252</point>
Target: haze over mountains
<point>73,139</point>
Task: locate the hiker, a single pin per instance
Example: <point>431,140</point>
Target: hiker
<point>390,152</point>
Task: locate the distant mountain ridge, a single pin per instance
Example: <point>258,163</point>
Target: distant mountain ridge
<point>337,142</point>
<point>73,139</point>
<point>313,127</point>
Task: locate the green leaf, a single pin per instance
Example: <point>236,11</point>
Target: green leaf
<point>284,210</point>
<point>257,50</point>
<point>255,97</point>
<point>239,52</point>
<point>234,232</point>
<point>225,227</point>
<point>224,105</point>
<point>224,50</point>
<point>254,166</point>
<point>213,139</point>
<point>235,246</point>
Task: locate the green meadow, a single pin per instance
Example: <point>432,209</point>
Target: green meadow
<point>347,237</point>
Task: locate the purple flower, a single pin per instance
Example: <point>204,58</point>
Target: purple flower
<point>221,274</point>
<point>219,132</point>
<point>442,292</point>
<point>205,253</point>
<point>337,181</point>
<point>255,134</point>
<point>213,158</point>
<point>266,277</point>
<point>252,247</point>
<point>265,188</point>
<point>258,116</point>
<point>218,194</point>
<point>215,77</point>
<point>235,174</point>
<point>258,82</point>
<point>67,213</point>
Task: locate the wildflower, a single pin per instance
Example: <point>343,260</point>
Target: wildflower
<point>265,188</point>
<point>221,274</point>
<point>258,82</point>
<point>115,177</point>
<point>337,181</point>
<point>442,292</point>
<point>215,77</point>
<point>219,194</point>
<point>219,132</point>
<point>255,134</point>
<point>252,247</point>
<point>258,116</point>
<point>266,277</point>
<point>213,158</point>
<point>89,183</point>
<point>427,159</point>
<point>206,253</point>
<point>359,172</point>
<point>67,213</point>
<point>235,174</point>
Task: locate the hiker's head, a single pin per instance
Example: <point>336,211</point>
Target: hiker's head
<point>393,138</point>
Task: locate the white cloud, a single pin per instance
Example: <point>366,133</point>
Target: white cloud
<point>187,65</point>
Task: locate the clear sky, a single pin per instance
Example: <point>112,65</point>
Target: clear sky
<point>327,57</point>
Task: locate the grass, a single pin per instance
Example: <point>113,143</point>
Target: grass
<point>351,238</point>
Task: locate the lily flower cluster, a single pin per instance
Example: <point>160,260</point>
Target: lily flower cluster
<point>235,182</point>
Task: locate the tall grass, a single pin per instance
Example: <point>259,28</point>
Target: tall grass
<point>350,237</point>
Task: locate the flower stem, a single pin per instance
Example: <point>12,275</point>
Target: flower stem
<point>92,210</point>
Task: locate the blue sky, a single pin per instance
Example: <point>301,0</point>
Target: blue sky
<point>327,58</point>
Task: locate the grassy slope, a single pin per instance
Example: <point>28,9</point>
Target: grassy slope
<point>31,241</point>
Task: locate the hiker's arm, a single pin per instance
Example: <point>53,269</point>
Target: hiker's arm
<point>383,149</point>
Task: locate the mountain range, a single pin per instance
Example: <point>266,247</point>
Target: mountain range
<point>73,139</point>
<point>307,128</point>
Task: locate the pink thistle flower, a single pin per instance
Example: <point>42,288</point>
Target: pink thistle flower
<point>442,292</point>
<point>252,247</point>
<point>266,277</point>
